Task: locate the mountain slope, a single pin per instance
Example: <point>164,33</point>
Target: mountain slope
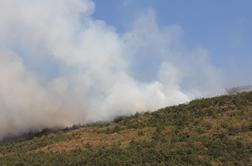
<point>216,131</point>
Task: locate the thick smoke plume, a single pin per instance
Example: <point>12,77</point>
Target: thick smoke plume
<point>59,66</point>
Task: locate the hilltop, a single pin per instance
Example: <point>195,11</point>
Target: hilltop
<point>215,131</point>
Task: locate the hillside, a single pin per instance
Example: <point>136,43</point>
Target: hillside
<point>216,131</point>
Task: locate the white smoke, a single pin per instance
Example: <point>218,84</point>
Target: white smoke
<point>59,66</point>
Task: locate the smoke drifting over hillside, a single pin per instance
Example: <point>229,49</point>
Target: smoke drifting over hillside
<point>59,66</point>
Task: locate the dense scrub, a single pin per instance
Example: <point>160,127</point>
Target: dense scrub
<point>215,131</point>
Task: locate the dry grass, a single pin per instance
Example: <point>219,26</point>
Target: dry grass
<point>90,137</point>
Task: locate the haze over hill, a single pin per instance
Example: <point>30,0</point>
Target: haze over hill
<point>60,66</point>
<point>239,89</point>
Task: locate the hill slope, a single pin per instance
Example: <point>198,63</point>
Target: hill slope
<point>213,131</point>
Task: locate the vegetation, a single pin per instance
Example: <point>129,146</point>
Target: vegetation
<point>215,131</point>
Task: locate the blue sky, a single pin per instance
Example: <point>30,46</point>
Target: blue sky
<point>223,27</point>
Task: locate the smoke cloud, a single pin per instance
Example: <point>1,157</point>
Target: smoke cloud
<point>59,66</point>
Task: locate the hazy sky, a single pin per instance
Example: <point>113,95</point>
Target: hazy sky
<point>223,27</point>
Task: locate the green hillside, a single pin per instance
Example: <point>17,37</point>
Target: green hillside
<point>216,131</point>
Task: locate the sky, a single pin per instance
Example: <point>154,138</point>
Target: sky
<point>223,27</point>
<point>72,62</point>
